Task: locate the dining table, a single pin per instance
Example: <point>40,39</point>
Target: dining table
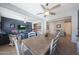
<point>39,45</point>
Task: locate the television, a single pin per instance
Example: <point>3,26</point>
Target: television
<point>21,27</point>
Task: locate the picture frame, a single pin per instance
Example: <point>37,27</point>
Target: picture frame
<point>58,26</point>
<point>12,25</point>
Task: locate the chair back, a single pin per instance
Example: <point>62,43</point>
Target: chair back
<point>25,50</point>
<point>21,49</point>
<point>31,34</point>
<point>16,43</point>
<point>54,43</point>
<point>11,39</point>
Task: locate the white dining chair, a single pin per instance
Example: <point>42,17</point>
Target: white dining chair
<point>53,44</point>
<point>25,50</point>
<point>11,39</point>
<point>31,34</point>
<point>21,49</point>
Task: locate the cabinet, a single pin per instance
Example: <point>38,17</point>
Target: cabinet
<point>4,39</point>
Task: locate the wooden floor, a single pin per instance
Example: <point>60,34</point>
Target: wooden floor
<point>7,50</point>
<point>66,47</point>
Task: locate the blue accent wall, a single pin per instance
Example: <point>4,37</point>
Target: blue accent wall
<point>5,24</point>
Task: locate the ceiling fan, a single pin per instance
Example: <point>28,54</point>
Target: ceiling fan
<point>48,11</point>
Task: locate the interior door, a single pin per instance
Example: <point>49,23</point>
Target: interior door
<point>67,28</point>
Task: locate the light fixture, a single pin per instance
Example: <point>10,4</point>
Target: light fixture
<point>47,13</point>
<point>25,19</point>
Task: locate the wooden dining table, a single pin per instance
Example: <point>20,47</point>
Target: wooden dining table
<point>39,45</point>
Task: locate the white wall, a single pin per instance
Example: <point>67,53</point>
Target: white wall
<point>74,25</point>
<point>52,27</point>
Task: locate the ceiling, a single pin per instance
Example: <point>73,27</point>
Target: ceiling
<point>35,8</point>
<point>32,9</point>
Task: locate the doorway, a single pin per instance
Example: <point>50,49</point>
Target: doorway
<point>68,27</point>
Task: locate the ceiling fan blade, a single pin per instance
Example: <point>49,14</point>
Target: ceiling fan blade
<point>52,13</point>
<point>40,13</point>
<point>43,7</point>
<point>44,15</point>
<point>47,4</point>
<point>58,5</point>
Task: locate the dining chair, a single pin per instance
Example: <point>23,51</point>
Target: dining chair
<point>11,40</point>
<point>21,49</point>
<point>25,50</point>
<point>31,34</point>
<point>54,43</point>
